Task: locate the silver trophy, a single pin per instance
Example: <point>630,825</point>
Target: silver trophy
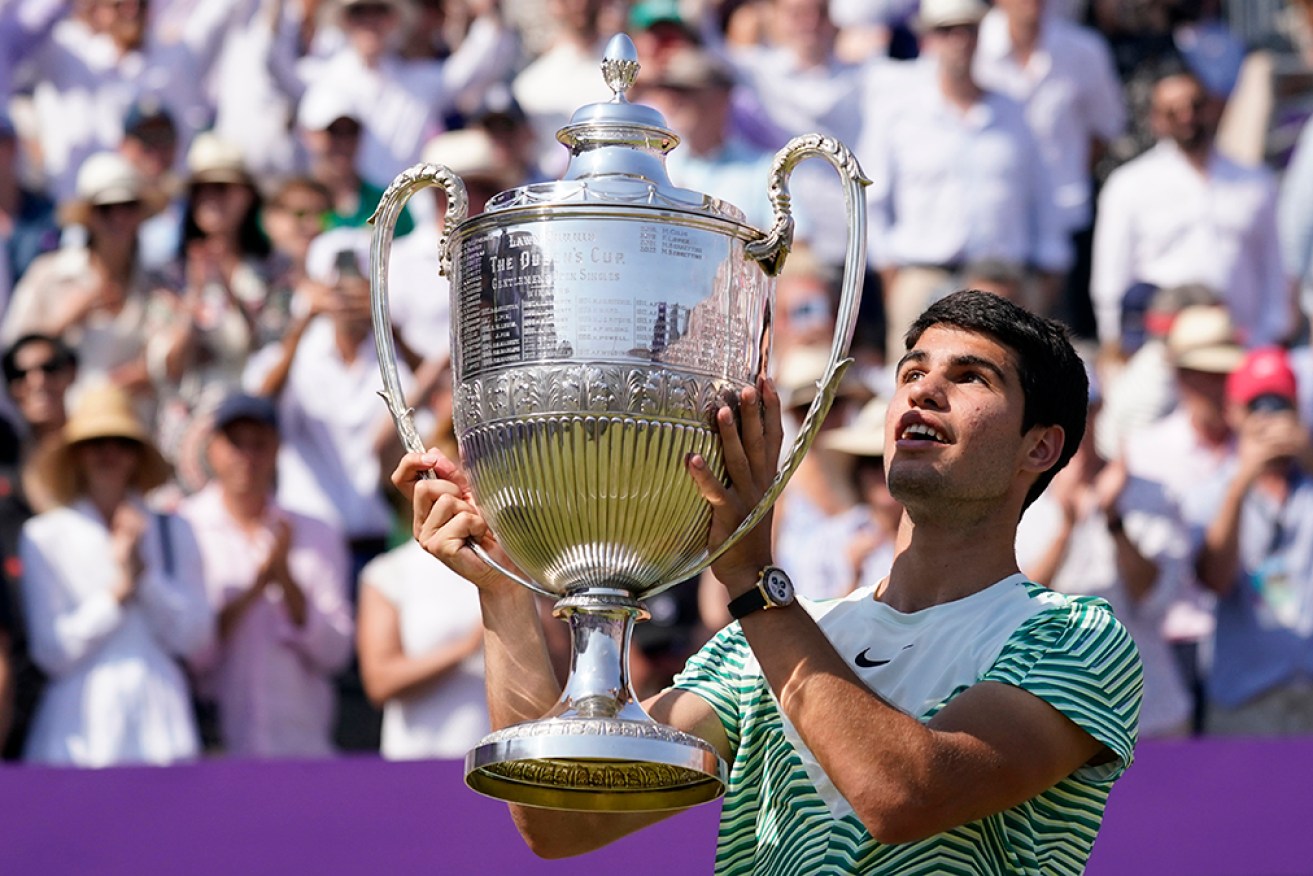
<point>597,324</point>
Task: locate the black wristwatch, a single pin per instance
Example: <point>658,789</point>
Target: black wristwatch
<point>773,590</point>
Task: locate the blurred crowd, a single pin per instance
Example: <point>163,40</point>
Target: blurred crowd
<point>201,554</point>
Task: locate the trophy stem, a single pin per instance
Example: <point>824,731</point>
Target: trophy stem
<point>601,628</point>
<point>597,749</point>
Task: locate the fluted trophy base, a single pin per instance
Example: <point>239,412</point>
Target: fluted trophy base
<point>590,764</point>
<point>597,749</point>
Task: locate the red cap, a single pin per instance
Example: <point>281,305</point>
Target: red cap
<point>1263,372</point>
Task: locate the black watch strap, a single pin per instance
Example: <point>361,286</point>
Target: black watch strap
<point>746,603</point>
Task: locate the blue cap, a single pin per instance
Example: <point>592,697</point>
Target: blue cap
<point>240,406</point>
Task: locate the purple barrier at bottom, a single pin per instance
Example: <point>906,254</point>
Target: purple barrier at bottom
<point>1229,808</point>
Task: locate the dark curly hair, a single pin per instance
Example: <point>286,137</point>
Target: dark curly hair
<point>1053,378</point>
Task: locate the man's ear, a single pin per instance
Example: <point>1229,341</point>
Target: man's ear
<point>1044,448</point>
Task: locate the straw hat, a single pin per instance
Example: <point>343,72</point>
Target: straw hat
<point>103,411</point>
<point>864,436</point>
<point>1203,338</point>
<point>470,154</point>
<point>212,160</point>
<point>109,178</point>
<point>800,370</point>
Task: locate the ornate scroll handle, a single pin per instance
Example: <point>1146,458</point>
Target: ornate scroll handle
<point>384,220</point>
<point>770,252</point>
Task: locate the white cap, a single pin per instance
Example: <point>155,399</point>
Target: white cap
<point>322,106</point>
<point>943,13</point>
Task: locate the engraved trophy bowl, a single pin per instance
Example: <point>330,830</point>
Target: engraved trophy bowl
<point>597,323</point>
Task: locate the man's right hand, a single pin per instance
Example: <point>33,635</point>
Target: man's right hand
<point>446,518</point>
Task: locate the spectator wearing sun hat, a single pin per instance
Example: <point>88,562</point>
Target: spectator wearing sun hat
<point>1253,523</point>
<point>222,277</point>
<point>98,297</point>
<point>857,547</point>
<point>1183,449</point>
<point>330,130</point>
<point>112,597</point>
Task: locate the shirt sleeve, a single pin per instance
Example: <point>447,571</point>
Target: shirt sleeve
<point>63,628</point>
<point>1079,659</point>
<point>320,565</point>
<point>174,599</point>
<point>1111,270</point>
<point>716,675</point>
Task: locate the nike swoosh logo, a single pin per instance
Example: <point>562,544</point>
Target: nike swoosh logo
<point>867,663</point>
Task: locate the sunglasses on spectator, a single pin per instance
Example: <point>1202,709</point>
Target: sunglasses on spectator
<point>48,367</point>
<point>115,441</point>
<point>962,27</point>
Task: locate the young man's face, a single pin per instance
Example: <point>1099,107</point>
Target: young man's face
<point>953,432</point>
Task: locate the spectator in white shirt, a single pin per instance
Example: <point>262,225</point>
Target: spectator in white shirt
<point>277,582</point>
<point>1064,76</point>
<point>401,103</point>
<point>693,93</point>
<point>957,181</point>
<point>566,76</point>
<point>802,87</point>
<point>113,597</point>
<point>98,297</point>
<point>1099,532</point>
<point>329,464</point>
<point>1184,213</point>
<point>87,74</point>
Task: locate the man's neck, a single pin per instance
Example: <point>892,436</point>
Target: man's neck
<point>960,91</point>
<point>246,508</point>
<point>348,343</point>
<point>1197,156</point>
<point>940,561</point>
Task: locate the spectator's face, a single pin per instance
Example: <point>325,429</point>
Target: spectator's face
<point>334,149</point>
<point>152,149</point>
<point>698,115</point>
<point>578,17</point>
<point>244,457</point>
<point>955,47</point>
<point>41,379</point>
<point>370,27</point>
<point>1183,112</point>
<point>115,224</point>
<point>803,25</point>
<point>1028,12</point>
<point>805,316</point>
<point>218,208</point>
<point>107,466</point>
<point>294,219</point>
<point>124,20</point>
<point>1203,396</point>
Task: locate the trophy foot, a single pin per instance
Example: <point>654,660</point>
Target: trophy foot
<point>596,764</point>
<point>597,750</point>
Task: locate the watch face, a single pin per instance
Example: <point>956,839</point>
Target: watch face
<point>779,587</point>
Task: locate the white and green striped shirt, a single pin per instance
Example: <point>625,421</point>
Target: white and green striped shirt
<point>783,817</point>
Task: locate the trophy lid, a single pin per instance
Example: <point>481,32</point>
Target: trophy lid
<point>617,153</point>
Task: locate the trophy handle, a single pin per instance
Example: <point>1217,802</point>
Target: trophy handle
<point>770,252</point>
<point>384,220</point>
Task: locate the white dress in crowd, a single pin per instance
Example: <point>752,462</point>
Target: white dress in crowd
<point>117,694</point>
<point>435,607</point>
